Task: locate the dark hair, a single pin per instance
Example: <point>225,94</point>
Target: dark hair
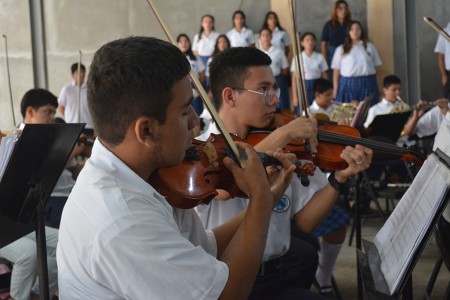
<point>305,35</point>
<point>390,80</point>
<point>37,98</point>
<point>348,41</point>
<point>216,46</point>
<point>74,68</point>
<point>334,19</point>
<point>266,29</point>
<point>201,27</point>
<point>266,25</point>
<point>189,51</point>
<point>130,78</point>
<point>322,85</point>
<point>230,67</point>
<point>238,12</point>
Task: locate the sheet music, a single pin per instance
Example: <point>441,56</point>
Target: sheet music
<point>397,240</point>
<point>6,148</point>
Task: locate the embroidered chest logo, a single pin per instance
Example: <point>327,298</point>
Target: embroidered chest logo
<point>282,205</point>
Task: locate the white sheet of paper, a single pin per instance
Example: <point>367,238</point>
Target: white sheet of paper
<point>398,238</point>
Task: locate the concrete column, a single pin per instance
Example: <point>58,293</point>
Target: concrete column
<point>38,44</point>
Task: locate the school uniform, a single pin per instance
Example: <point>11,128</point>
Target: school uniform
<point>334,36</point>
<point>279,61</point>
<point>443,46</point>
<point>197,66</point>
<point>204,45</point>
<point>280,38</point>
<point>429,123</point>
<point>383,107</point>
<point>357,72</point>
<point>313,66</point>
<point>314,108</point>
<point>278,253</point>
<point>130,243</point>
<point>244,38</point>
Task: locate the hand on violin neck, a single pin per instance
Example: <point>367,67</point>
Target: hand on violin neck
<point>358,159</point>
<point>252,179</point>
<point>280,177</point>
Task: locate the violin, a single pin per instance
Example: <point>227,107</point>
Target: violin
<point>332,140</point>
<point>202,172</point>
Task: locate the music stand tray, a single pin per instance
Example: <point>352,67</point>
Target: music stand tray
<point>37,161</point>
<point>389,125</point>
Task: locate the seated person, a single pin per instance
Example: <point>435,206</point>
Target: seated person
<point>391,92</point>
<point>38,106</point>
<point>323,101</point>
<point>246,95</point>
<point>119,237</point>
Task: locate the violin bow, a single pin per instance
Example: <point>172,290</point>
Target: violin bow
<point>202,92</point>
<point>301,90</point>
<point>437,28</point>
<point>8,79</point>
<point>298,59</point>
<point>79,86</point>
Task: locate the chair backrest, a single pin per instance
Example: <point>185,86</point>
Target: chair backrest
<point>443,239</point>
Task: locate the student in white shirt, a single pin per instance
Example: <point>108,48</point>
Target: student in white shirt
<point>443,51</point>
<point>323,98</point>
<point>279,66</point>
<point>184,43</point>
<point>245,94</point>
<point>119,237</point>
<point>70,109</point>
<point>38,106</point>
<point>354,67</point>
<point>391,90</point>
<point>240,35</point>
<point>205,40</point>
<point>314,65</point>
<point>280,38</point>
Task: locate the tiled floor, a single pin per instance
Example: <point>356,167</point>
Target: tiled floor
<point>345,271</point>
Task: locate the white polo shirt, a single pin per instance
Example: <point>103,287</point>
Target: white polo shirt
<point>68,99</point>
<point>429,123</point>
<point>383,107</point>
<point>205,45</point>
<point>280,38</point>
<point>241,39</point>
<point>313,65</point>
<point>279,60</point>
<point>279,235</point>
<point>443,46</point>
<point>314,108</point>
<point>358,62</point>
<point>120,239</point>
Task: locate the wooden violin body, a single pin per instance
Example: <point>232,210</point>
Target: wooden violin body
<point>202,172</point>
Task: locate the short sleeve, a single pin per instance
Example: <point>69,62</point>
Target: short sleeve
<point>374,54</point>
<point>323,63</point>
<point>286,39</point>
<point>337,58</point>
<point>62,99</point>
<point>326,32</point>
<point>195,43</point>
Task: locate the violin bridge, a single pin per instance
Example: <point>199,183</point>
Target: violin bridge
<point>210,152</point>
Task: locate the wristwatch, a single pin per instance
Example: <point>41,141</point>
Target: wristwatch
<point>336,184</point>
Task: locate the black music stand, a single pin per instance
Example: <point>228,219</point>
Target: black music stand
<point>37,161</point>
<point>388,125</point>
<point>369,263</point>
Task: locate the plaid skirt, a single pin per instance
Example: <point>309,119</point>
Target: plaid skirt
<point>357,88</point>
<point>334,220</point>
<point>284,93</point>
<point>309,84</point>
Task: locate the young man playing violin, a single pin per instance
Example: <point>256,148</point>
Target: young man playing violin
<point>245,93</point>
<point>119,238</point>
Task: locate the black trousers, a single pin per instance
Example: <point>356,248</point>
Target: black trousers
<point>294,276</point>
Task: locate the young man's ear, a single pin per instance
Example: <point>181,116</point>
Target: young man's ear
<point>146,130</point>
<point>29,112</point>
<point>228,95</point>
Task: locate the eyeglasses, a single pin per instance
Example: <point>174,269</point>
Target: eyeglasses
<point>268,95</point>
